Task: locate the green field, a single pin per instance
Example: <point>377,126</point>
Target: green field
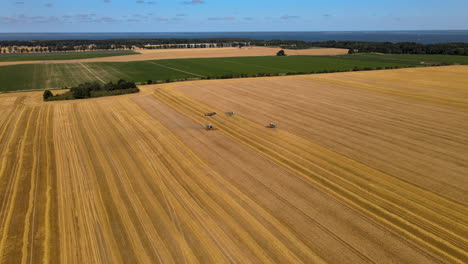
<point>412,59</point>
<point>64,56</point>
<point>48,76</point>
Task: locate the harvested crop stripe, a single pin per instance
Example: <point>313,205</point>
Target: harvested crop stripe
<point>351,175</point>
<point>134,195</point>
<point>28,183</point>
<point>423,217</point>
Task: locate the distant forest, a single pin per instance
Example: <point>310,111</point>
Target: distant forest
<point>395,48</point>
<point>355,46</point>
<point>379,47</point>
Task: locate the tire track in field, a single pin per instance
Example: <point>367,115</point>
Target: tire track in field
<point>191,73</point>
<point>92,72</point>
<point>108,71</point>
<point>452,246</point>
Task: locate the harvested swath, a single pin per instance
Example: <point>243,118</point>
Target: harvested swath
<point>27,193</point>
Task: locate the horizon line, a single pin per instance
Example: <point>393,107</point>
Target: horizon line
<point>195,32</point>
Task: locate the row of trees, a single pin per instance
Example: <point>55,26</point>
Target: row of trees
<point>380,47</point>
<point>360,46</point>
<point>109,44</point>
<point>398,48</point>
<point>53,49</point>
<point>94,89</point>
<point>24,50</point>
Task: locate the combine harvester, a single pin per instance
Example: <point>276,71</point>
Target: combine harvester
<point>210,114</point>
<point>209,127</point>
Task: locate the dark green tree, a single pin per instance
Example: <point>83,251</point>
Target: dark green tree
<point>281,53</point>
<point>47,94</point>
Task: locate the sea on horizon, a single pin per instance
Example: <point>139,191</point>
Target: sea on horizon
<point>424,37</point>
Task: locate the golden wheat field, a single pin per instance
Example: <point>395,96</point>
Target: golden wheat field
<point>364,167</point>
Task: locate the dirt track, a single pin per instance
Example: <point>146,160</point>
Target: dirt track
<point>194,53</point>
<point>365,167</point>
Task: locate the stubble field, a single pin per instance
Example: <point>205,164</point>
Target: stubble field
<point>365,167</point>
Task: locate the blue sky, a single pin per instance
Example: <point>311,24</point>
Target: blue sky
<point>230,15</point>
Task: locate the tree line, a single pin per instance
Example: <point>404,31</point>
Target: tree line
<point>379,47</point>
<point>108,44</point>
<point>399,48</point>
<point>93,89</point>
<point>359,46</point>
